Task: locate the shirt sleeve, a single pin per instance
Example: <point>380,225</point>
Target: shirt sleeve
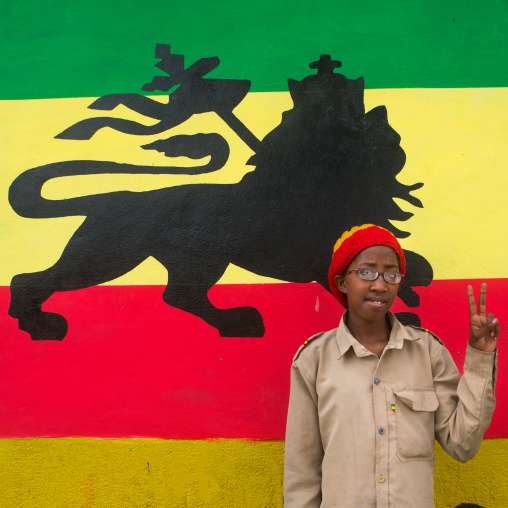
<point>466,403</point>
<point>303,449</point>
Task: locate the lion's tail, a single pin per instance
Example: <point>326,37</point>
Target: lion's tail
<point>25,192</point>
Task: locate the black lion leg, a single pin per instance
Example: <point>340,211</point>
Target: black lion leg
<point>409,318</point>
<point>28,293</point>
<point>187,290</point>
<point>86,261</point>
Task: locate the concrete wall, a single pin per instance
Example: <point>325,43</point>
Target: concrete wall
<point>143,396</point>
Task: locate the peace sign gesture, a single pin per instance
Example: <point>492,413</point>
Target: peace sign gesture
<point>484,330</point>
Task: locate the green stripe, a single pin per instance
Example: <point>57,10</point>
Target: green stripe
<point>71,49</point>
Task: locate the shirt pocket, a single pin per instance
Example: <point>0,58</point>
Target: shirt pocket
<point>414,409</point>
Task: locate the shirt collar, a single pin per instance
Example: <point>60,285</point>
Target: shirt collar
<point>345,340</point>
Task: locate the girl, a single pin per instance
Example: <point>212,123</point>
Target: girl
<point>369,397</point>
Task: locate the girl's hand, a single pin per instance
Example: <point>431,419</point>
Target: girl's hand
<point>484,330</point>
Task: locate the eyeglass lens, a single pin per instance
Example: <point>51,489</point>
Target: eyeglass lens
<point>370,274</point>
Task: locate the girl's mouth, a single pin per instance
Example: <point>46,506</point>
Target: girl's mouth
<point>375,302</point>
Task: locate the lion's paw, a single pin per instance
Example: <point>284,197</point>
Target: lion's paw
<point>44,326</point>
<point>241,322</point>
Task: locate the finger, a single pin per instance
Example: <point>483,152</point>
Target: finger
<point>471,301</point>
<point>483,299</point>
<point>485,330</point>
<point>490,321</point>
<point>494,334</point>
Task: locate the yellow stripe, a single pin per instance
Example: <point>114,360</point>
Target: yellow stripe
<point>482,480</point>
<point>151,472</point>
<point>140,472</point>
<point>454,140</point>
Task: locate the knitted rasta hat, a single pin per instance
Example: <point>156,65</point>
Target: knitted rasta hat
<point>353,242</point>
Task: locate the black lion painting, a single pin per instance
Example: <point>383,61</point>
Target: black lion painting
<point>327,167</point>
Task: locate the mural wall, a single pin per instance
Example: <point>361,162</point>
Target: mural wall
<point>168,230</point>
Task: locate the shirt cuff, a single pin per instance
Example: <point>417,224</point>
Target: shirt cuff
<point>481,361</point>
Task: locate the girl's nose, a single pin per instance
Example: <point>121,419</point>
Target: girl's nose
<point>379,284</point>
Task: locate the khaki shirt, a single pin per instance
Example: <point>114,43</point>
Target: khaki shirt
<point>361,429</point>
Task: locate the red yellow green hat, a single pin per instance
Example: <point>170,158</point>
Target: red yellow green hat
<point>352,243</point>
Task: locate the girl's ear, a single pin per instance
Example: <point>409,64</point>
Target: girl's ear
<point>340,282</point>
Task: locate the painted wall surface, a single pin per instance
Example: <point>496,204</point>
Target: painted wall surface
<point>190,218</point>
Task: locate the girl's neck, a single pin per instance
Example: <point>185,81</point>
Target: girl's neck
<point>372,335</point>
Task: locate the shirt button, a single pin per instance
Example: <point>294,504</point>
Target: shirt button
<point>381,430</point>
<point>381,479</point>
<point>377,381</point>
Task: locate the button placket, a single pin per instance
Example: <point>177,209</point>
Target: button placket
<point>382,445</point>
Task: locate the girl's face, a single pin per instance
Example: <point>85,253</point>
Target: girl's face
<point>370,300</point>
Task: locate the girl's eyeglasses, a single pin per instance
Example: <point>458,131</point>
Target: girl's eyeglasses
<point>371,274</point>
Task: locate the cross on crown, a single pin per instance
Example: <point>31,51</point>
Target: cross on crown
<point>325,64</point>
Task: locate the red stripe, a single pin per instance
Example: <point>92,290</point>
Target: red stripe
<point>132,366</point>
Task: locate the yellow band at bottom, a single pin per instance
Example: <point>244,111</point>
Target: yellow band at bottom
<point>85,472</point>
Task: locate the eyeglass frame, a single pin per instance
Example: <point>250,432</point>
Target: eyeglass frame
<point>378,273</point>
